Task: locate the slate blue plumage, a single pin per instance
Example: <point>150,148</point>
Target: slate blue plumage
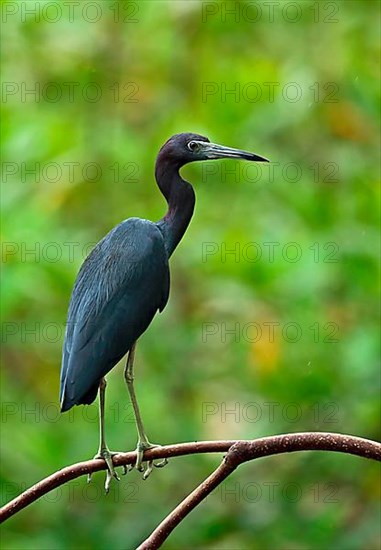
<point>124,282</point>
<point>119,288</point>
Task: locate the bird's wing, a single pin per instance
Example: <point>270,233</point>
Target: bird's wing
<point>119,288</point>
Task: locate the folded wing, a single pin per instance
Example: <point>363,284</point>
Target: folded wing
<point>119,288</point>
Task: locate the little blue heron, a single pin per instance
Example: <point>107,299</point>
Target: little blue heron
<point>123,283</point>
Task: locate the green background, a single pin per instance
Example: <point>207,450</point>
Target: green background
<point>111,85</point>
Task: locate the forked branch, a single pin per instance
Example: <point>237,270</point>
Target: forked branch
<point>238,452</point>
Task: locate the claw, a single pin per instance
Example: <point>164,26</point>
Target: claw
<point>150,464</point>
<point>148,470</point>
<point>139,455</point>
<point>107,455</point>
<point>126,469</point>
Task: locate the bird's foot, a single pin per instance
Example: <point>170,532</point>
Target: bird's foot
<point>144,446</point>
<point>107,455</point>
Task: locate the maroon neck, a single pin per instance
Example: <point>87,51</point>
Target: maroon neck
<point>180,197</point>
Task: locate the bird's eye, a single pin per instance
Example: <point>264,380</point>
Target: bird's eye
<point>193,146</point>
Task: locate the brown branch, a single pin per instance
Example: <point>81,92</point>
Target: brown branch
<point>238,452</point>
<point>244,451</point>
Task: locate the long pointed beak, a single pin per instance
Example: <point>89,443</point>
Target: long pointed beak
<point>215,151</point>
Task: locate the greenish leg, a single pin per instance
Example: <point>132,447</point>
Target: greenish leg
<point>103,451</point>
<point>143,443</point>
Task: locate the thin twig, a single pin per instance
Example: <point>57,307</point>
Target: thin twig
<point>252,449</point>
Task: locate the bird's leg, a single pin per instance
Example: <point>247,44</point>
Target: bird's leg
<point>103,451</point>
<point>143,443</point>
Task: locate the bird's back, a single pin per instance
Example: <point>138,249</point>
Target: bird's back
<point>118,290</point>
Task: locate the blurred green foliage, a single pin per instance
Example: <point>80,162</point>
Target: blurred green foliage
<point>78,157</point>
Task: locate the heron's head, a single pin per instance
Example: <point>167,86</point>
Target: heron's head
<point>188,147</point>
